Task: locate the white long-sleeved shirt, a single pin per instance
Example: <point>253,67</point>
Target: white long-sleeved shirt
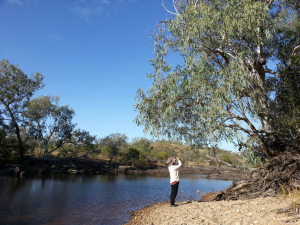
<point>174,172</point>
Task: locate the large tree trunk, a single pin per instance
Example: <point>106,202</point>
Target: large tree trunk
<point>260,75</point>
<point>17,131</point>
<point>46,150</point>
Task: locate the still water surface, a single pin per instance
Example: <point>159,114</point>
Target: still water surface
<point>90,199</point>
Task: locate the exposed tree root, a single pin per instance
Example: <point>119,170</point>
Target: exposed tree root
<point>279,175</point>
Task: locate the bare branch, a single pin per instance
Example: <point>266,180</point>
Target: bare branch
<point>221,161</point>
<point>163,4</point>
<point>269,3</point>
<point>54,149</point>
<point>216,139</point>
<point>196,3</point>
<point>295,50</point>
<point>84,155</point>
<point>272,72</point>
<point>224,56</point>
<point>241,128</point>
<point>174,4</point>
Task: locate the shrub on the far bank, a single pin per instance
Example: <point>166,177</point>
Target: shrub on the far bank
<point>161,155</point>
<point>231,158</point>
<point>143,163</point>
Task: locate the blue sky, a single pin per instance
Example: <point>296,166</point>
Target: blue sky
<point>94,54</point>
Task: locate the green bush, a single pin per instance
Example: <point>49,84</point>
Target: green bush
<point>161,155</point>
<point>230,158</point>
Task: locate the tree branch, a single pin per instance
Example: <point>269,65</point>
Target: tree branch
<point>85,154</point>
<point>295,49</point>
<point>174,4</point>
<point>222,53</point>
<point>163,4</point>
<point>250,132</point>
<point>216,139</point>
<point>269,3</point>
<point>221,161</point>
<point>54,149</point>
<point>272,72</point>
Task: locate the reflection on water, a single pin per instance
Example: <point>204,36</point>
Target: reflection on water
<point>90,199</point>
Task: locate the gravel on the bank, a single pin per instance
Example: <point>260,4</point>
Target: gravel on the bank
<point>269,210</point>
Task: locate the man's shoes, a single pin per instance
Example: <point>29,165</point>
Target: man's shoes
<point>174,205</point>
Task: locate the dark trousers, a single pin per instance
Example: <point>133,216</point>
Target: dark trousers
<point>174,190</point>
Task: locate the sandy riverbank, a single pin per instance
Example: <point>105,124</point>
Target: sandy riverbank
<point>269,210</point>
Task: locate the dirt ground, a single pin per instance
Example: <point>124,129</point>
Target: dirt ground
<point>269,210</point>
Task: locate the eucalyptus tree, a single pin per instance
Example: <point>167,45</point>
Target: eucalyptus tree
<point>8,145</point>
<point>132,154</point>
<point>83,143</point>
<point>112,144</point>
<point>48,121</point>
<point>143,145</point>
<point>226,84</point>
<point>16,89</point>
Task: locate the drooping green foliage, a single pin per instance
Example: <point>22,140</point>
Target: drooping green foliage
<point>285,106</point>
<point>225,84</point>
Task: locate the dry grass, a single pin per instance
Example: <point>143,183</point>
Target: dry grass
<point>293,195</point>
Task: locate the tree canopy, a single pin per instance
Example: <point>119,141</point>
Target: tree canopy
<point>237,77</point>
<point>46,120</point>
<point>16,89</point>
<point>112,144</point>
<point>28,123</point>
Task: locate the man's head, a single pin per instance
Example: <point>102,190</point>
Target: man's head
<point>171,161</point>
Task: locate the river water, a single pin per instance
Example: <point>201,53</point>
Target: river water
<point>91,199</point>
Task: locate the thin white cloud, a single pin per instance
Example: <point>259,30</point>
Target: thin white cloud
<point>87,9</point>
<point>84,12</point>
<point>21,2</point>
<point>127,1</point>
<point>18,2</point>
<point>55,38</point>
<point>99,9</point>
<point>106,2</point>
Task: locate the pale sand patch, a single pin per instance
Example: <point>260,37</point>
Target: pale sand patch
<point>269,210</point>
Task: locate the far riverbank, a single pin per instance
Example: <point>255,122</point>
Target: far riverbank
<point>34,166</point>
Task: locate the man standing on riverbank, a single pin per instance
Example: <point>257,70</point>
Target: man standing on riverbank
<point>173,165</point>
